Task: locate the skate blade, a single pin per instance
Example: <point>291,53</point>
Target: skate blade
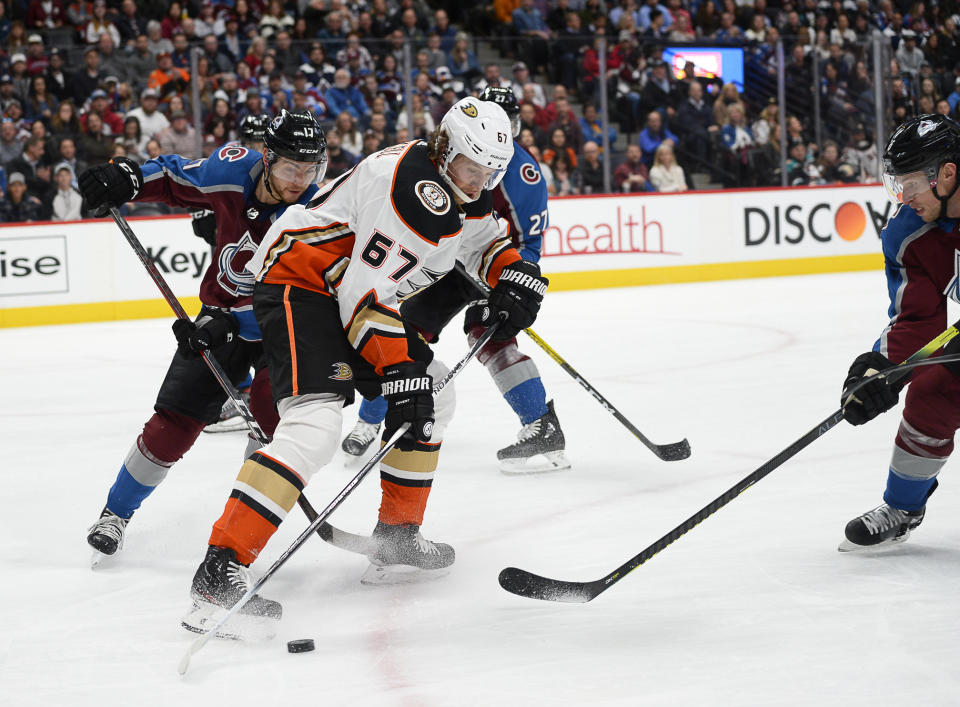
<point>233,424</point>
<point>241,627</point>
<point>847,546</point>
<point>537,464</point>
<point>97,557</point>
<point>385,575</point>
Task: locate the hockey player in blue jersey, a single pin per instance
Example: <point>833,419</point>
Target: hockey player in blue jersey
<point>521,199</point>
<point>246,191</point>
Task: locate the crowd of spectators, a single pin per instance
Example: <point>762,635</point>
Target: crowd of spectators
<point>81,82</point>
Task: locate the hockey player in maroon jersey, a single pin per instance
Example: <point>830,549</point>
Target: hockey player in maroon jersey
<point>330,280</point>
<point>921,247</point>
<point>246,191</point>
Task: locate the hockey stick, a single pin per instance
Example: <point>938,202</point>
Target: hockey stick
<point>674,451</point>
<point>527,584</point>
<point>208,357</point>
<point>314,526</point>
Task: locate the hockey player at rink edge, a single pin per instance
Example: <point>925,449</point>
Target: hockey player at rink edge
<point>331,276</point>
<point>921,248</point>
<point>521,200</point>
<point>246,191</point>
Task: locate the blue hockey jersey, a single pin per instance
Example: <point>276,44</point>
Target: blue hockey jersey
<point>521,199</point>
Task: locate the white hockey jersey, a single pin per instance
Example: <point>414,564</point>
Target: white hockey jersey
<point>378,234</point>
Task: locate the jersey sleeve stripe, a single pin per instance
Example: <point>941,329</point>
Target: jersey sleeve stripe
<point>377,333</point>
<point>310,235</point>
<point>495,258</point>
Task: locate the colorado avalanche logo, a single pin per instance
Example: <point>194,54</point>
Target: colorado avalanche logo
<point>529,173</point>
<point>925,127</point>
<point>234,277</point>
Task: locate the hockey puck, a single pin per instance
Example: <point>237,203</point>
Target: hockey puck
<point>302,645</point>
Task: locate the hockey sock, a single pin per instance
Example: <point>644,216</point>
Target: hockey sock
<point>528,400</point>
<point>373,411</point>
<point>165,439</point>
<point>908,494</point>
<point>405,480</point>
<point>264,492</point>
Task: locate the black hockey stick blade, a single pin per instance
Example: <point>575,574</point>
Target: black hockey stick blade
<point>672,452</point>
<point>533,586</point>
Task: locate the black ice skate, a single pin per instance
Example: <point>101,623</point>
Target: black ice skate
<point>218,584</point>
<point>402,555</point>
<point>230,418</point>
<point>884,525</point>
<point>106,535</point>
<point>539,447</point>
<point>360,438</point>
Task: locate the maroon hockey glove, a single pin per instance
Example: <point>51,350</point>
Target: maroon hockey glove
<point>111,184</point>
<point>408,389</point>
<point>213,328</point>
<point>519,292</point>
<point>876,396</point>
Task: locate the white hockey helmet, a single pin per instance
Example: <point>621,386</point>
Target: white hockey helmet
<point>480,132</point>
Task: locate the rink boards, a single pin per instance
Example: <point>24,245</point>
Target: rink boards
<point>58,273</point>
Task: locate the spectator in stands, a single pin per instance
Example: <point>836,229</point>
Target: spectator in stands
<point>100,104</point>
<point>65,203</point>
<point>695,124</point>
<point>569,47</point>
<point>545,170</point>
<point>566,120</point>
<point>37,61</point>
<point>128,23</point>
<point>440,108</point>
<point>665,174</point>
<point>332,35</point>
<point>65,122</point>
<point>522,79</point>
<point>338,159</point>
<point>766,123</point>
<point>423,123</point>
<point>94,145</point>
<point>356,57</point>
<point>461,61</point>
<point>133,140</point>
<point>657,93</point>
<point>67,152</point>
<point>100,24</point>
<point>41,104</point>
<point>179,138</point>
<point>156,42</point>
<point>167,79</point>
<point>529,24</point>
<point>528,121</point>
<point>797,164</point>
<point>17,205</point>
<point>17,38</point>
<point>558,144</point>
<point>739,141</point>
<point>7,93</point>
<point>861,154</point>
<point>909,56</point>
<point>343,96</point>
<point>151,120</point>
<point>652,135</point>
<point>10,145</point>
<point>350,137</point>
<point>591,169</point>
<point>632,174</point>
<point>378,125</point>
<point>30,162</point>
<point>87,79</point>
<point>372,142</point>
<point>45,14</point>
<point>592,127</point>
<point>566,177</point>
<point>57,81</point>
<point>19,76</point>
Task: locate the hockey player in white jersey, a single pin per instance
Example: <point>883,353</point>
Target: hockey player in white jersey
<point>330,279</point>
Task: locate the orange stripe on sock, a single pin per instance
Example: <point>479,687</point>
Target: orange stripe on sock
<point>401,505</point>
<point>293,341</point>
<point>242,529</point>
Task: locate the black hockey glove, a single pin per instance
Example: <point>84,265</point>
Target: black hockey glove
<point>408,389</point>
<point>519,293</point>
<point>212,329</point>
<point>111,184</point>
<point>205,226</point>
<point>875,397</point>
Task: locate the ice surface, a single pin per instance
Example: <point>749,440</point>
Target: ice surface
<point>753,607</point>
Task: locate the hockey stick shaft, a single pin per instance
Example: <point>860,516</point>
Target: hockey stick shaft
<point>314,526</point>
<point>208,357</point>
<point>527,584</point>
<point>674,451</point>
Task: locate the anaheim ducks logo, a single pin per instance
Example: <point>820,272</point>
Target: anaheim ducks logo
<point>341,372</point>
<point>529,173</point>
<point>432,196</point>
<point>469,110</point>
